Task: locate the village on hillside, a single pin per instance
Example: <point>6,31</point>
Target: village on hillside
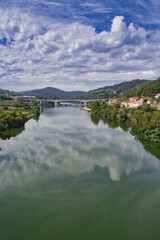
<point>137,101</point>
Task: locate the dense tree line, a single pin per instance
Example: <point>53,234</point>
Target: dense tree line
<point>142,120</point>
<point>15,118</point>
<point>5,98</point>
<point>150,90</point>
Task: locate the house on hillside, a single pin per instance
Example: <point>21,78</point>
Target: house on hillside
<point>116,100</point>
<point>132,99</point>
<point>125,104</point>
<point>149,101</point>
<point>157,96</point>
<point>132,104</point>
<point>136,103</point>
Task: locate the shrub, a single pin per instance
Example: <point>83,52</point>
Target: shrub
<point>5,108</point>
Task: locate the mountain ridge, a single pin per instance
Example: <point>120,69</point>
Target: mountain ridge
<point>135,87</point>
<point>53,93</point>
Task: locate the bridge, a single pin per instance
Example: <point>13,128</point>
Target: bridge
<point>85,102</point>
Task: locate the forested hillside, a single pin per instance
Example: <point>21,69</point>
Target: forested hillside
<point>149,90</point>
<point>115,90</point>
<point>7,93</point>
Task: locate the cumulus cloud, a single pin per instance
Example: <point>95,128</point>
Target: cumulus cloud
<point>39,52</point>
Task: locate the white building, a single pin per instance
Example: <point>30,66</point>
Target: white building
<point>157,96</point>
<point>136,103</point>
<point>24,98</point>
<point>132,104</point>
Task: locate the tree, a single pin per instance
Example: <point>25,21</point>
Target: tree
<point>5,108</point>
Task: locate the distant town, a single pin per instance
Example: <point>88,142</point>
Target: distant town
<point>137,101</point>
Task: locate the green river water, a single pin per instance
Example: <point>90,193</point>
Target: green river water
<point>65,178</point>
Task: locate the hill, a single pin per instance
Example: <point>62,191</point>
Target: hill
<point>117,90</point>
<point>53,93</point>
<point>149,90</point>
<point>7,93</point>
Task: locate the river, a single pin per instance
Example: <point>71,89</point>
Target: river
<point>64,177</point>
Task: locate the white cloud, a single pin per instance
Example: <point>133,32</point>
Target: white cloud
<point>42,52</point>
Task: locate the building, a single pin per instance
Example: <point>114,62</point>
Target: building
<point>157,96</point>
<point>24,98</point>
<point>136,103</point>
<point>134,99</point>
<point>132,104</point>
<point>125,104</point>
<point>116,100</point>
<point>148,101</point>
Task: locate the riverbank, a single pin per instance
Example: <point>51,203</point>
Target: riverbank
<point>15,115</point>
<point>86,109</point>
<point>143,121</point>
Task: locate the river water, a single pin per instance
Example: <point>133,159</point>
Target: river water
<point>66,178</point>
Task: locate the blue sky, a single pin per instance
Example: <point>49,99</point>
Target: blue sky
<point>78,45</point>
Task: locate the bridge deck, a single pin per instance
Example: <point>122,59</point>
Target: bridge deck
<point>70,100</point>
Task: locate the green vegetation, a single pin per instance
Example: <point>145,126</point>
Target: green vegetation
<point>5,94</point>
<point>151,147</point>
<point>115,91</point>
<point>11,119</point>
<point>11,132</point>
<point>6,103</point>
<point>150,90</point>
<point>5,98</point>
<point>142,121</point>
<point>14,115</point>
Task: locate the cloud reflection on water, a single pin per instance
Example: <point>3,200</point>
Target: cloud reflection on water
<point>65,141</point>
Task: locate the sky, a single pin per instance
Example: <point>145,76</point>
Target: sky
<point>77,44</point>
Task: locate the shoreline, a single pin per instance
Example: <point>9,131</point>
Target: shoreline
<point>31,115</point>
<point>144,120</point>
<point>86,109</point>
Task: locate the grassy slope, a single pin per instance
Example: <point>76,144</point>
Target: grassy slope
<point>6,103</point>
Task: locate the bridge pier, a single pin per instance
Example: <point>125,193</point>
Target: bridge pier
<point>85,104</point>
<point>55,104</point>
<point>41,108</point>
